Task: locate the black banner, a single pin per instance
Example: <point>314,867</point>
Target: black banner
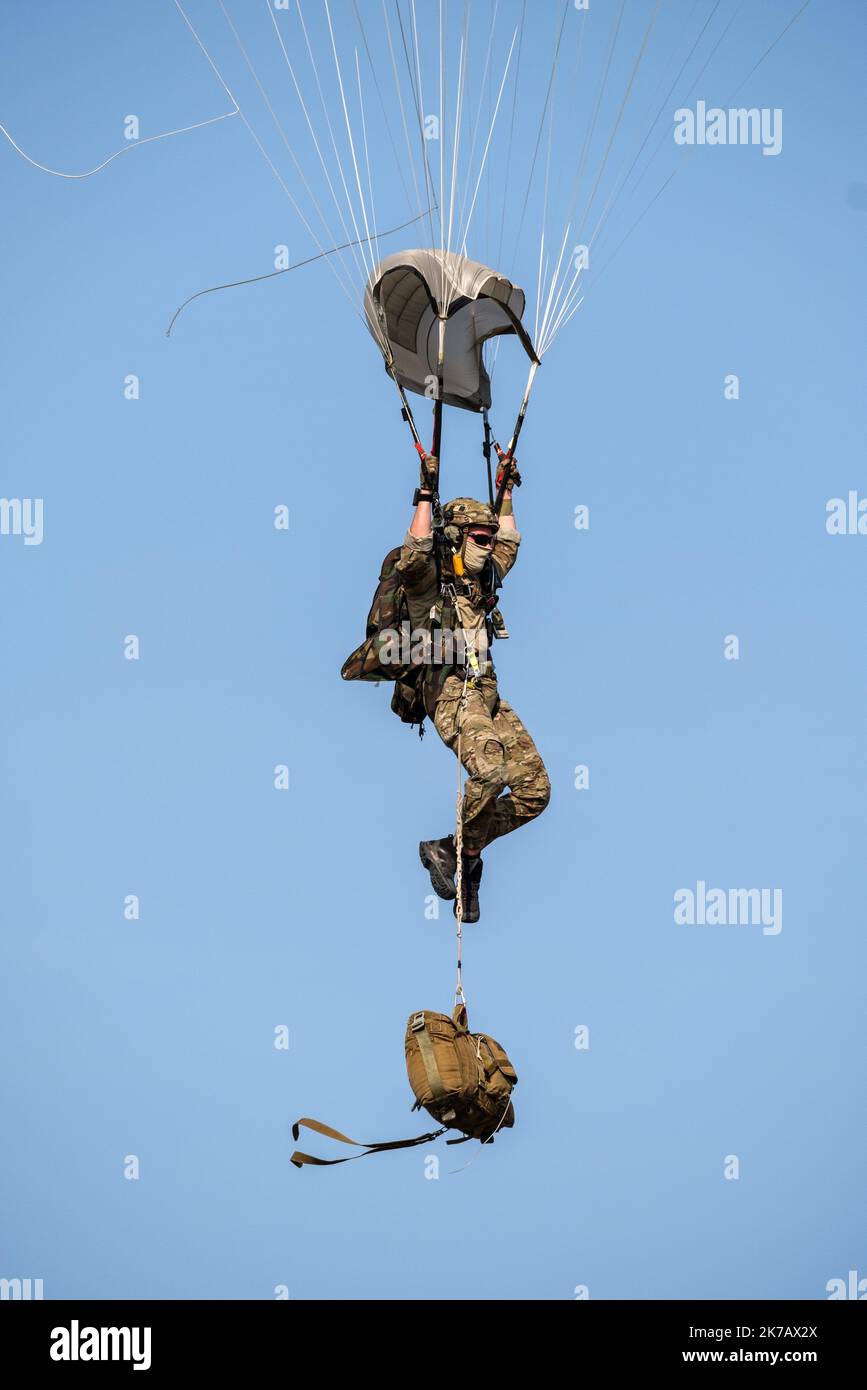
<point>160,1337</point>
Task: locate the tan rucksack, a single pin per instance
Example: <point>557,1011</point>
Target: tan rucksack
<point>465,1080</point>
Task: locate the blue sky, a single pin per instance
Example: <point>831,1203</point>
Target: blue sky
<point>306,908</point>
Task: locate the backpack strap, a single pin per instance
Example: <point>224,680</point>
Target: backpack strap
<point>299,1159</point>
<point>428,1057</point>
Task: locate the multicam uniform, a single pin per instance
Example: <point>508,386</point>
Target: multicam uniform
<point>496,750</point>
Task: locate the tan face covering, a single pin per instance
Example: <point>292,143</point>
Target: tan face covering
<point>474,557</point>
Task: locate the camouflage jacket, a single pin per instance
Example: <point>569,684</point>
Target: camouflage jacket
<point>417,566</point>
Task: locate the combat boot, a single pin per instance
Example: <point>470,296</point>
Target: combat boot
<point>470,880</point>
<point>440,860</point>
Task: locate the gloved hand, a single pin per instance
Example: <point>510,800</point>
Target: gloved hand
<point>429,473</point>
<point>514,475</point>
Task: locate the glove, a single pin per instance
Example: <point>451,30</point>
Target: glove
<point>514,475</point>
<point>429,473</point>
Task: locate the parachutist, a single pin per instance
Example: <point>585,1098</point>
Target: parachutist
<point>464,703</point>
<point>446,583</point>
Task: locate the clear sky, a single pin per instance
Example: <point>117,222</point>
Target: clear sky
<point>262,908</point>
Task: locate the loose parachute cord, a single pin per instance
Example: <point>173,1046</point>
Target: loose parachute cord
<point>133,144</point>
<point>271,274</point>
<point>489,1140</point>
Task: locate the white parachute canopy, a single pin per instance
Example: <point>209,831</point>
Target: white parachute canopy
<point>532,136</point>
<point>405,298</point>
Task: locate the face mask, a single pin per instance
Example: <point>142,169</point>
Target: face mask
<point>475,557</point>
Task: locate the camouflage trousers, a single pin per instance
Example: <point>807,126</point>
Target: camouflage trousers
<point>497,752</point>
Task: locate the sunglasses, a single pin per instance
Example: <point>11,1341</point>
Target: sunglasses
<point>482,538</point>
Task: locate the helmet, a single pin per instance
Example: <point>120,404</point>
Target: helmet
<point>466,511</point>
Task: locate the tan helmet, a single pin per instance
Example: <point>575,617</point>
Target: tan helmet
<point>466,511</point>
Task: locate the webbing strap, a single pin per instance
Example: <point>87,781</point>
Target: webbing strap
<point>428,1056</point>
<point>299,1158</point>
<point>486,450</point>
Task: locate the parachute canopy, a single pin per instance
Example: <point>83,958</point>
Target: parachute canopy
<point>404,298</point>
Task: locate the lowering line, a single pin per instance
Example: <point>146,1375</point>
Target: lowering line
<point>459,845</point>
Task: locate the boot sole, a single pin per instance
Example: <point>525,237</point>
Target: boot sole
<point>443,887</point>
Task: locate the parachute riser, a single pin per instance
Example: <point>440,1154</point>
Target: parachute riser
<point>436,444</point>
<point>519,424</point>
<point>406,413</point>
<point>486,450</point>
<point>405,408</point>
<point>438,399</point>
